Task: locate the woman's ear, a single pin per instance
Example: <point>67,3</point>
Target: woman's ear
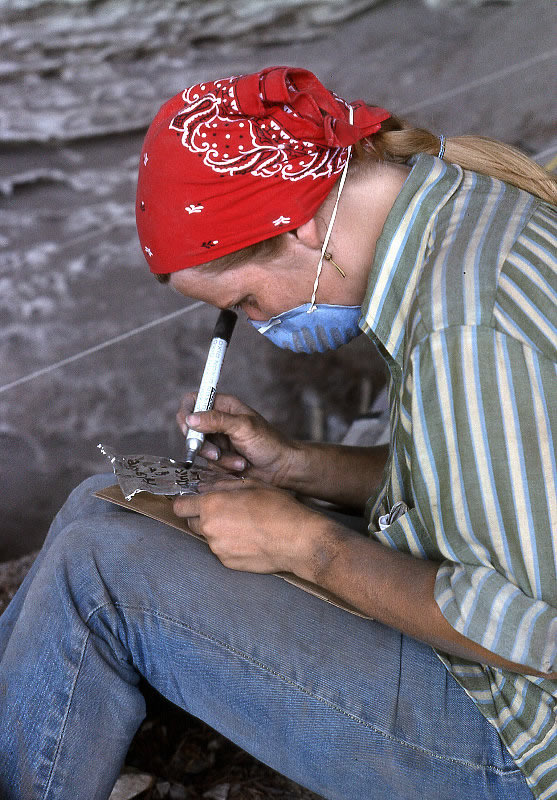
<point>308,234</point>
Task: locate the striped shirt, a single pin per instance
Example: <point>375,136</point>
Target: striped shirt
<point>461,304</point>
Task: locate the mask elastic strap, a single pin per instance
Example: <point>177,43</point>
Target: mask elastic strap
<point>312,305</point>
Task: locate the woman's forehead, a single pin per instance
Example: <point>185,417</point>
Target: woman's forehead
<point>219,286</point>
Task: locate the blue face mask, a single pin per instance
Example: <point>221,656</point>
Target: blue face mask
<point>325,328</point>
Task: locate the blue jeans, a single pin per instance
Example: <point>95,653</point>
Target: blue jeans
<point>347,707</point>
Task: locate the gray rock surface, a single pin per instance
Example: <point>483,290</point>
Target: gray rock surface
<point>78,83</point>
<point>447,3</point>
<point>132,786</point>
<point>90,68</point>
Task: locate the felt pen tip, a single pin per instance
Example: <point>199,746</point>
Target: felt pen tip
<point>190,458</point>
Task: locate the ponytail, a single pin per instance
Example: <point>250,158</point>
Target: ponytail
<point>397,141</point>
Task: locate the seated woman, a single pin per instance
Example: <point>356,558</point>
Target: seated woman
<point>320,219</point>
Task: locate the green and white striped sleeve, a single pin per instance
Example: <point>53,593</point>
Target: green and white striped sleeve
<point>483,431</point>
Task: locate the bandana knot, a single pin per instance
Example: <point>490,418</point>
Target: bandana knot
<point>299,102</point>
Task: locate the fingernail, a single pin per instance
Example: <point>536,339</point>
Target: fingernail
<point>211,452</point>
<point>193,419</point>
<point>239,463</point>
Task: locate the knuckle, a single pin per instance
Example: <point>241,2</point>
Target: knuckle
<point>218,420</point>
<point>208,421</point>
<point>244,421</point>
<point>219,417</point>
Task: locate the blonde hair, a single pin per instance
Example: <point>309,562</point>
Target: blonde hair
<point>397,141</point>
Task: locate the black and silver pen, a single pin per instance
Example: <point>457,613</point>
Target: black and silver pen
<point>208,387</point>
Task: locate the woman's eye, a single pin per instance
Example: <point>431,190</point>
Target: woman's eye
<point>246,302</point>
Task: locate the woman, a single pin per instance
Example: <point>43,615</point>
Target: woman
<point>319,218</point>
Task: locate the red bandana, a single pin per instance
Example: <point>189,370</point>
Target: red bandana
<point>229,163</point>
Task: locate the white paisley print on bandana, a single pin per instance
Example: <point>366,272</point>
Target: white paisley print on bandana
<point>212,125</point>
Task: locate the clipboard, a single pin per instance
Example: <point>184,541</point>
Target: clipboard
<point>159,507</point>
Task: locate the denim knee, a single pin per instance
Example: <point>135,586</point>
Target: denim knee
<point>81,503</point>
<point>83,499</point>
<point>106,558</point>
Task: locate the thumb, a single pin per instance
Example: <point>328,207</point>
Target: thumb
<point>216,422</point>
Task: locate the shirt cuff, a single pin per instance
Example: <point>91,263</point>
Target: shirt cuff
<point>481,604</point>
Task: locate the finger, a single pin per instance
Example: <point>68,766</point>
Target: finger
<point>211,448</point>
<point>218,444</point>
<point>221,441</point>
<point>219,425</point>
<point>195,526</point>
<point>229,483</point>
<point>210,451</point>
<point>233,462</point>
<point>187,505</point>
<point>219,422</point>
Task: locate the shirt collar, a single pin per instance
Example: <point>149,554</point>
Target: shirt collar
<point>402,248</point>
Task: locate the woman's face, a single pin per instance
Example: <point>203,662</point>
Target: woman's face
<point>263,289</point>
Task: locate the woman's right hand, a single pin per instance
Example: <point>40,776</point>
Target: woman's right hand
<point>239,439</point>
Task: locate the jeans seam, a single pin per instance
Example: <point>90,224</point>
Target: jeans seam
<point>65,720</point>
<point>299,687</point>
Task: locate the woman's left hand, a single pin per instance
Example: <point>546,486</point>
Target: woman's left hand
<point>252,527</point>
